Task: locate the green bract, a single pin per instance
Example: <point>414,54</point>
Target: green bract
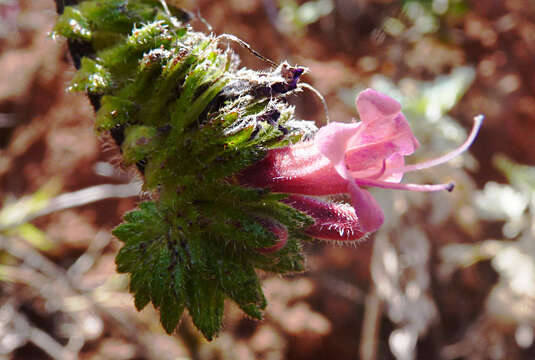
<point>179,108</point>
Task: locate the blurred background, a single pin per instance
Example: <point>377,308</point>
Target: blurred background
<point>449,276</point>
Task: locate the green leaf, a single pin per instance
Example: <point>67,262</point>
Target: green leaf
<point>170,312</point>
<point>139,286</point>
<point>289,259</point>
<point>240,283</point>
<point>160,276</point>
<point>141,298</point>
<point>144,235</point>
<point>206,304</point>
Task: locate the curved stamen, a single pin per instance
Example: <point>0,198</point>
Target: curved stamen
<point>380,173</point>
<point>409,187</point>
<point>478,120</point>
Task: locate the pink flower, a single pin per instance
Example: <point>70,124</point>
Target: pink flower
<point>342,158</point>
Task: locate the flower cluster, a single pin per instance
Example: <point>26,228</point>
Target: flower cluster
<point>344,157</point>
<point>179,107</point>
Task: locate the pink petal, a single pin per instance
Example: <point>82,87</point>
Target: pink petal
<point>369,158</point>
<point>368,211</point>
<point>403,136</point>
<point>393,130</point>
<point>334,221</point>
<point>374,106</point>
<point>382,122</point>
<point>396,161</point>
<point>331,141</point>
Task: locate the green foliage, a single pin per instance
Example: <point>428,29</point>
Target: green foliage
<point>182,111</point>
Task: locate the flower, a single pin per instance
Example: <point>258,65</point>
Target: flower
<point>342,158</point>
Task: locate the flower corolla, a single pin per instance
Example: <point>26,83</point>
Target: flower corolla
<point>344,158</point>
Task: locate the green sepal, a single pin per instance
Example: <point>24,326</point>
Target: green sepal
<point>139,142</point>
<point>114,111</point>
<point>123,57</point>
<point>117,16</point>
<point>73,25</point>
<point>239,136</point>
<point>92,77</point>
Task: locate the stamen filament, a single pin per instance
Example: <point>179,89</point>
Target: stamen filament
<point>409,187</point>
<point>380,173</point>
<point>478,120</point>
